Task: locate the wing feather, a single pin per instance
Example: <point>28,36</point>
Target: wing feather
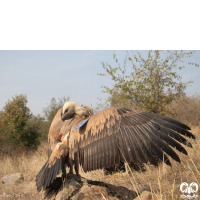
<point>109,150</point>
<point>145,146</point>
<point>153,147</point>
<point>117,151</point>
<point>102,152</point>
<point>98,153</point>
<point>173,121</point>
<point>85,159</point>
<point>161,144</point>
<point>91,155</point>
<point>139,136</point>
<point>156,129</point>
<point>168,128</point>
<point>105,151</point>
<point>132,145</point>
<point>112,151</point>
<point>94,156</point>
<point>139,149</point>
<point>126,145</point>
<point>174,127</point>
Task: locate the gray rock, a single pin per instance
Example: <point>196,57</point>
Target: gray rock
<point>90,192</point>
<point>69,187</point>
<point>79,188</point>
<point>12,179</point>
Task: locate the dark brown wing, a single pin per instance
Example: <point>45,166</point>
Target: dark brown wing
<point>115,134</point>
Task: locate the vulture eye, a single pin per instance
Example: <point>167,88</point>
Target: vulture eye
<point>66,110</point>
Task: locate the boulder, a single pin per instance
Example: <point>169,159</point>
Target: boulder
<point>79,188</point>
<point>12,178</point>
<point>70,186</point>
<point>90,192</point>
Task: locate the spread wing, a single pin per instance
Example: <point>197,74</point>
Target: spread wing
<point>117,134</point>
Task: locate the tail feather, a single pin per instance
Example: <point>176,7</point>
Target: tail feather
<point>47,174</point>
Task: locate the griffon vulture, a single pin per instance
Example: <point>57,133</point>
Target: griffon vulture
<point>107,138</point>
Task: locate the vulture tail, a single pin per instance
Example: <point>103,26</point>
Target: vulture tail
<point>47,174</point>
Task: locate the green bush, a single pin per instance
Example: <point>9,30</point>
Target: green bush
<point>152,83</point>
<point>16,125</point>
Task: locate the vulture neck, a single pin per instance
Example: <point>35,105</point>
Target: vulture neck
<point>82,111</point>
<point>76,116</point>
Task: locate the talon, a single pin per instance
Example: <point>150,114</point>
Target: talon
<point>64,177</point>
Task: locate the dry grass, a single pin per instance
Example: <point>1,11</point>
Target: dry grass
<point>27,163</point>
<point>163,181</point>
<point>187,109</point>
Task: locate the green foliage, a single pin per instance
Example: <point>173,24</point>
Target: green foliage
<point>51,110</point>
<point>16,128</point>
<point>153,82</point>
<point>30,136</point>
<point>39,125</point>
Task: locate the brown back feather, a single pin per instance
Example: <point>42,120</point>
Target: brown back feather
<point>54,130</point>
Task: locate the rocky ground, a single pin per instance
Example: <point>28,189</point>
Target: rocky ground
<point>78,188</point>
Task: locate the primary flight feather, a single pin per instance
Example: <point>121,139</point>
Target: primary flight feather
<point>109,137</point>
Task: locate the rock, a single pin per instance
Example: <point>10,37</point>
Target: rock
<point>89,192</point>
<point>70,186</point>
<point>79,188</point>
<point>12,178</point>
<point>146,195</point>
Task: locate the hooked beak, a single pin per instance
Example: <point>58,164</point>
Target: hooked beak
<point>63,117</point>
<point>66,116</point>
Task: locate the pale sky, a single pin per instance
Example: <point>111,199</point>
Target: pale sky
<point>42,75</point>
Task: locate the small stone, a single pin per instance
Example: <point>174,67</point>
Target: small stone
<point>12,179</point>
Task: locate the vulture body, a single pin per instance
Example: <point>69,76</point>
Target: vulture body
<point>107,138</point>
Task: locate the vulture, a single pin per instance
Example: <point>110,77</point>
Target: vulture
<point>114,135</point>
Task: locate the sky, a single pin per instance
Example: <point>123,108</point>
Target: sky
<point>42,75</point>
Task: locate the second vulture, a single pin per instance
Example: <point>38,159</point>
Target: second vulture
<point>107,138</point>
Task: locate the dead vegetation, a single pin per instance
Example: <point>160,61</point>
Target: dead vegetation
<point>163,181</point>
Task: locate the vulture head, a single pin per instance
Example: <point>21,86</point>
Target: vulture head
<point>71,108</point>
